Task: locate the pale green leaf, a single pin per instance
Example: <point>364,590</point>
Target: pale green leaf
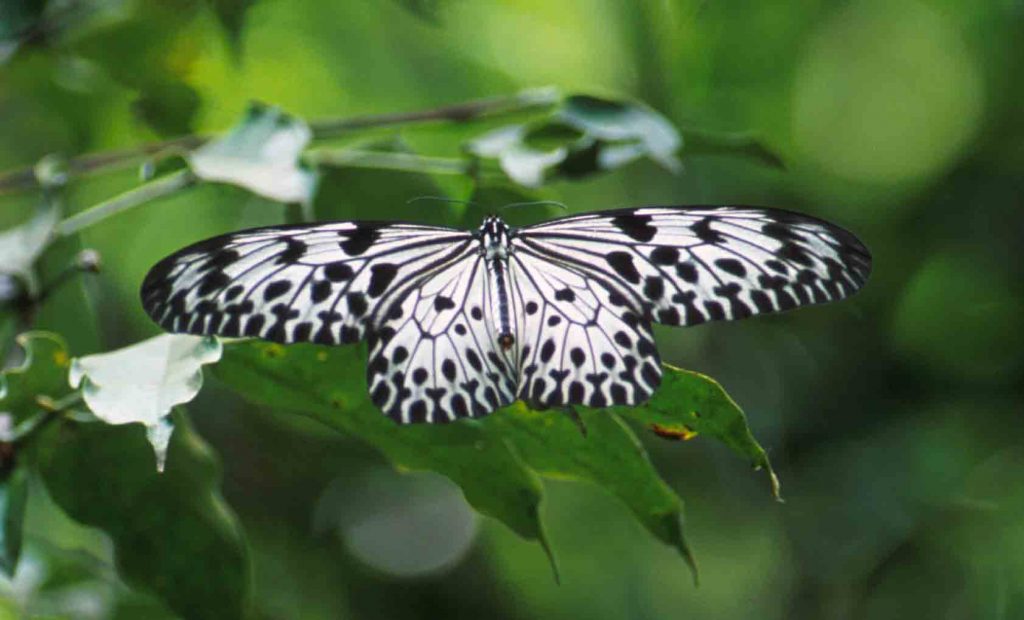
<point>21,246</point>
<point>142,382</point>
<point>260,154</point>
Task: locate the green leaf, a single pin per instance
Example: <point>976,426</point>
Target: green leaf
<point>327,384</point>
<point>173,534</point>
<point>22,245</point>
<point>169,107</point>
<point>582,136</point>
<point>602,449</point>
<point>231,15</point>
<point>426,10</point>
<point>18,20</point>
<point>44,372</point>
<point>141,383</point>
<point>13,499</point>
<point>689,404</point>
<point>732,144</point>
<point>261,154</point>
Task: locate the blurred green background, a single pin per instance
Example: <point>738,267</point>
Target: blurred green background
<point>894,420</point>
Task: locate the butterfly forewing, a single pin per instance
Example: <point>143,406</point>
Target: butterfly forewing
<point>688,265</point>
<point>325,284</point>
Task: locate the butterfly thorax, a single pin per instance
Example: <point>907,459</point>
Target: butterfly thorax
<point>495,246</point>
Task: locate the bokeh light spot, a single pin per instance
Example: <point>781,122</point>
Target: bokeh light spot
<point>407,525</point>
<point>887,92</point>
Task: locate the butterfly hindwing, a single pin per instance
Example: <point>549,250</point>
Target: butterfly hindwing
<point>320,283</point>
<point>578,344</point>
<point>688,265</point>
<point>435,357</point>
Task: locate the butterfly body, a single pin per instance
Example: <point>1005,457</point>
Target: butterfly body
<point>460,323</point>
<point>495,247</point>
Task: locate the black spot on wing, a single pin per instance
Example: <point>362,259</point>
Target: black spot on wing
<point>636,227</point>
<point>359,240</point>
<point>294,250</point>
<point>381,276</point>
<point>442,303</point>
<point>338,271</point>
<point>622,263</point>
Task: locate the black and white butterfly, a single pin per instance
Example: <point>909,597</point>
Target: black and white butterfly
<point>460,323</point>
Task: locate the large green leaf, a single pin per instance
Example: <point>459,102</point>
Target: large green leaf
<point>173,533</point>
<point>327,383</point>
<point>142,382</point>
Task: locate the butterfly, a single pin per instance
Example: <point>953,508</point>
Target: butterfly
<point>460,323</point>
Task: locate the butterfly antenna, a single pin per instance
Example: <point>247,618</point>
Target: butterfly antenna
<point>440,199</point>
<point>553,203</point>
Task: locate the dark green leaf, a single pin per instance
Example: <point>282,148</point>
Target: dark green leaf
<point>427,10</point>
<point>78,327</point>
<point>168,107</point>
<point>600,448</point>
<point>173,534</point>
<point>141,383</point>
<point>231,15</point>
<point>732,145</point>
<point>13,499</point>
<point>19,21</point>
<point>327,384</point>
<point>44,372</point>
<point>689,404</point>
<point>261,154</point>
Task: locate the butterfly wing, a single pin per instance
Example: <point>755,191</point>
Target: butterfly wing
<point>327,283</point>
<point>579,342</point>
<point>435,358</point>
<point>688,265</point>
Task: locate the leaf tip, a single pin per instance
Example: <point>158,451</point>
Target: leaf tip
<point>550,553</point>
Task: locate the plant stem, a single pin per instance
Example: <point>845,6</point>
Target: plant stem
<point>382,160</point>
<point>132,198</point>
<point>533,99</point>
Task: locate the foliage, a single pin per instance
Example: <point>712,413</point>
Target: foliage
<point>128,128</point>
<point>496,462</point>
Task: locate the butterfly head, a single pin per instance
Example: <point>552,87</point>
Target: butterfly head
<point>495,236</point>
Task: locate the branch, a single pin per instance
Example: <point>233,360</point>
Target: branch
<point>402,162</point>
<point>132,198</point>
<point>25,178</point>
